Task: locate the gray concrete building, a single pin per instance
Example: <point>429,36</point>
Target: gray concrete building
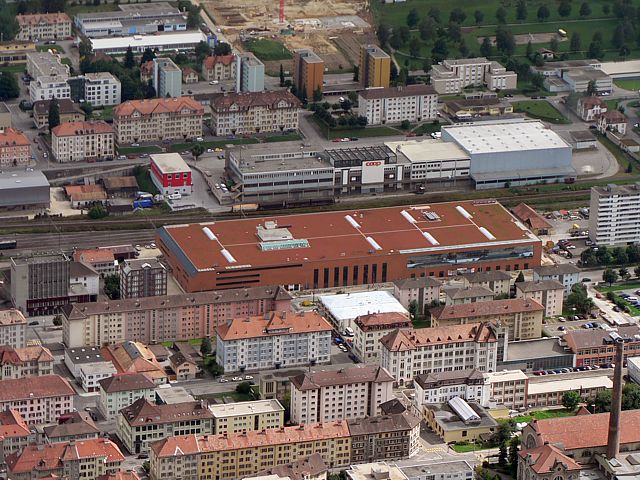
<point>249,73</point>
<point>40,283</point>
<point>142,278</point>
<point>167,78</point>
<point>614,214</point>
<point>24,190</point>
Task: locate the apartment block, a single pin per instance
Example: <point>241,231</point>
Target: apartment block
<point>422,290</point>
<point>102,89</point>
<point>250,77</point>
<point>386,437</point>
<point>460,296</point>
<point>74,426</point>
<point>69,112</point>
<point>143,422</point>
<point>522,317</point>
<point>227,456</point>
<point>239,417</point>
<point>374,69</point>
<point>46,63</point>
<point>142,278</point>
<point>15,434</point>
<point>274,340</point>
<point>498,281</point>
<point>40,283</point>
<point>548,293</point>
<point>414,103</point>
<point>120,391</point>
<point>506,387</point>
<point>170,173</point>
<point>254,112</point>
<point>549,393</point>
<point>452,76</point>
<point>440,387</point>
<point>13,328</point>
<point>348,393</point>
<point>589,108</point>
<point>167,78</point>
<point>565,273</point>
<point>160,319</point>
<point>308,72</point>
<point>310,467</point>
<point>38,399</point>
<point>220,67</point>
<point>369,329</point>
<point>596,346</point>
<point>407,353</point>
<point>83,141</point>
<point>46,87</point>
<point>82,460</point>
<point>32,361</point>
<point>100,260</point>
<point>15,148</point>
<point>158,119</point>
<point>614,215</point>
<point>43,26</point>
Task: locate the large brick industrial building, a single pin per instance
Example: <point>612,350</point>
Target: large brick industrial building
<point>349,247</point>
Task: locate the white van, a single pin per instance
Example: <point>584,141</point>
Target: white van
<point>349,332</point>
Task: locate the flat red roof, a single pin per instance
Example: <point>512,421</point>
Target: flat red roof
<point>330,235</point>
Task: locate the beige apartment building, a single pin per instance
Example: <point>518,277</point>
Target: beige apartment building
<point>459,296</point>
<point>25,362</point>
<point>121,390</point>
<point>158,319</point>
<point>15,434</point>
<point>138,121</point>
<point>506,387</point>
<point>386,437</point>
<point>348,393</point>
<point>247,416</point>
<point>369,329</point>
<point>549,293</point>
<point>83,141</point>
<point>38,399</point>
<point>498,281</point>
<point>422,290</point>
<point>13,328</point>
<point>521,316</point>
<point>254,112</point>
<point>43,26</point>
<point>219,67</point>
<point>407,353</point>
<point>232,456</point>
<point>452,76</point>
<point>144,422</point>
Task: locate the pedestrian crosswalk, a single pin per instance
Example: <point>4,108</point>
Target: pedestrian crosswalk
<point>434,450</point>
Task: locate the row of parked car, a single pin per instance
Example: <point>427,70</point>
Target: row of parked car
<point>583,368</point>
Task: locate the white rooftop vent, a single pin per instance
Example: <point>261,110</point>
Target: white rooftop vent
<point>353,223</point>
<point>463,212</point>
<point>408,216</point>
<point>486,233</point>
<point>207,231</point>
<point>373,243</point>
<point>225,253</point>
<point>430,238</point>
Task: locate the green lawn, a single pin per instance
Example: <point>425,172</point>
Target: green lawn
<point>421,323</point>
<point>144,181</point>
<point>543,414</point>
<point>430,127</point>
<point>287,137</point>
<point>622,158</point>
<point>631,84</point>
<point>183,147</point>
<point>105,113</point>
<point>540,109</point>
<point>266,49</point>
<point>467,447</point>
<point>19,68</point>
<point>43,48</point>
<point>80,7</point>
<point>364,132</point>
<point>138,150</point>
<point>618,286</point>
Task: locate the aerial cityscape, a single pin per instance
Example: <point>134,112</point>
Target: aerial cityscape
<point>301,240</point>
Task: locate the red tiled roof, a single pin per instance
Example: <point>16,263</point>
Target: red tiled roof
<point>273,323</point>
<point>73,129</point>
<point>91,256</point>
<point>528,215</point>
<point>401,340</point>
<point>544,459</point>
<point>12,424</point>
<point>210,61</point>
<point>17,356</point>
<point>147,68</point>
<point>613,116</point>
<point>375,321</point>
<point>590,102</point>
<point>34,387</point>
<point>156,106</point>
<point>10,137</point>
<point>36,18</point>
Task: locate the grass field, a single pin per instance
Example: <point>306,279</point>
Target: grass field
<point>73,10</point>
<point>363,132</point>
<point>287,137</point>
<point>105,114</point>
<point>631,84</point>
<point>266,49</point>
<point>543,414</point>
<point>430,127</point>
<point>55,47</point>
<point>540,109</point>
<point>622,158</point>
<point>144,181</point>
<point>138,150</point>
<point>20,68</point>
<point>182,147</point>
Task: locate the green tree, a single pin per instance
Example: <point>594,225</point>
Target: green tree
<point>505,41</point>
<point>356,73</point>
<point>606,9</point>
<point>129,60</point>
<point>147,55</point>
<point>521,10</point>
<point>625,51</point>
<point>9,87</point>
<point>87,108</point>
<point>57,320</point>
<point>197,150</point>
<point>618,36</point>
<point>112,286</point>
<point>440,48</point>
<point>193,16</point>
<point>426,65</point>
<point>427,29</point>
<point>529,51</point>
<point>579,299</point>
<point>454,32</point>
<point>405,125</point>
<point>486,49</point>
<point>54,113</point>
<point>595,50</point>
<point>553,45</point>
<point>9,27</point>
<point>243,388</point>
<point>317,94</point>
<point>503,454</point>
<point>435,14</point>
<point>591,89</point>
<point>624,274</point>
<point>501,15</point>
<point>636,271</point>
<point>413,309</point>
<point>514,443</point>
<point>478,16</point>
<point>575,44</point>
<point>564,9</point>
<point>383,33</point>
<point>537,81</point>
<point>631,396</point>
<point>281,75</point>
<point>97,211</point>
<point>413,17</point>
<point>457,15</point>
<point>585,10</point>
<point>543,13</point>
<point>610,276</point>
<point>571,400</point>
<point>520,277</point>
<point>206,347</point>
<point>414,47</point>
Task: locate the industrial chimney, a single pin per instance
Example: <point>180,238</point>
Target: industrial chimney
<point>613,440</point>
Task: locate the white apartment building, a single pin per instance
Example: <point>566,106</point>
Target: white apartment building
<point>507,387</point>
<point>102,89</point>
<point>92,373</point>
<point>254,112</point>
<point>38,399</point>
<point>498,281</point>
<point>452,76</point>
<point>46,87</point>
<point>242,417</point>
<point>277,339</point>
<point>565,273</point>
<point>13,328</point>
<point>369,329</point>
<point>83,141</point>
<point>45,63</point>
<point>548,293</point>
<point>348,393</point>
<point>120,391</point>
<point>414,103</point>
<point>407,353</point>
<point>614,216</point>
<point>440,387</point>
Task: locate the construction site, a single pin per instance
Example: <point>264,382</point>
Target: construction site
<point>334,29</point>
